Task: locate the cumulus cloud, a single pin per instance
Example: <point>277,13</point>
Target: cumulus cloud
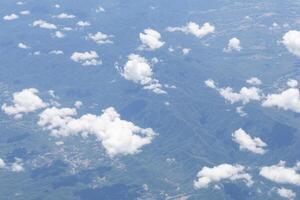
<point>24,101</point>
<point>292,83</point>
<point>234,44</point>
<point>288,100</point>
<point>286,193</point>
<point>138,70</point>
<point>194,29</point>
<point>2,163</point>
<point>280,173</point>
<point>90,58</point>
<point>23,46</point>
<point>118,136</point>
<point>245,95</point>
<point>186,51</point>
<point>59,34</point>
<point>43,24</point>
<point>64,16</point>
<point>100,38</point>
<point>17,166</point>
<point>221,172</point>
<point>56,52</point>
<point>291,40</point>
<point>151,39</point>
<point>78,104</point>
<point>210,83</point>
<point>83,23</point>
<point>25,12</point>
<point>10,17</point>
<point>254,81</point>
<point>246,142</point>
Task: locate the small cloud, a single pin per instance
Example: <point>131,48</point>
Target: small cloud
<point>186,51</point>
<point>254,81</point>
<point>151,39</point>
<point>24,101</point>
<point>138,70</point>
<point>100,38</point>
<point>59,34</point>
<point>207,176</point>
<point>56,52</point>
<point>234,44</point>
<point>194,29</point>
<point>23,46</point>
<point>246,142</point>
<point>43,24</point>
<point>64,16</point>
<point>291,40</point>
<point>10,17</point>
<point>25,12</point>
<point>292,83</point>
<point>83,23</point>
<point>86,58</point>
<point>286,193</point>
<point>280,173</point>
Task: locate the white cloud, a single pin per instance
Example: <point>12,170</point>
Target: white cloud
<point>151,39</point>
<point>25,12</point>
<point>240,111</point>
<point>59,34</point>
<point>56,52</point>
<point>83,23</point>
<point>100,9</point>
<point>246,142</point>
<point>291,40</point>
<point>210,83</point>
<point>194,29</point>
<point>254,81</point>
<point>281,174</point>
<point>2,163</point>
<point>292,83</point>
<point>138,70</point>
<point>86,58</point>
<point>186,51</point>
<point>24,101</point>
<point>64,16</point>
<point>17,166</point>
<point>10,17</point>
<point>43,24</point>
<point>245,95</point>
<point>23,46</point>
<point>118,137</point>
<point>78,104</point>
<point>286,193</point>
<point>221,172</point>
<point>100,38</point>
<point>234,44</point>
<point>288,100</point>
